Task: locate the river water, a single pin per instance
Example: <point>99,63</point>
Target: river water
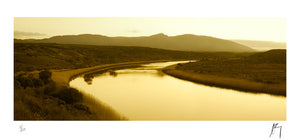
<point>145,93</point>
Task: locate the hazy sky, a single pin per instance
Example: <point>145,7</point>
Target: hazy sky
<point>269,29</point>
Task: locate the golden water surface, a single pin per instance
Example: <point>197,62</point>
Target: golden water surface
<point>146,93</point>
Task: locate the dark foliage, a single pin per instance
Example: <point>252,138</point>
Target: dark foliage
<point>26,82</point>
<point>50,87</point>
<point>69,95</point>
<point>17,84</point>
<point>37,82</point>
<point>82,108</point>
<point>45,76</point>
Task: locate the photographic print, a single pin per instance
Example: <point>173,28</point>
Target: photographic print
<point>150,68</point>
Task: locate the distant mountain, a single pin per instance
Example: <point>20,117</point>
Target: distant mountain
<point>262,45</point>
<point>187,42</point>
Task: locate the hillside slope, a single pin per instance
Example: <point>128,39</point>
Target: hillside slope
<point>276,56</point>
<point>185,42</point>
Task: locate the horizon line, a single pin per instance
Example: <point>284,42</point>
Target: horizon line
<point>163,34</point>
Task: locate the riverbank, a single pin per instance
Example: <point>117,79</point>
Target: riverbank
<point>63,77</point>
<point>226,82</point>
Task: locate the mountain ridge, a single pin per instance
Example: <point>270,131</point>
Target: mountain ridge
<point>185,42</point>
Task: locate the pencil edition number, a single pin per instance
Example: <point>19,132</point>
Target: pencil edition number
<point>22,128</point>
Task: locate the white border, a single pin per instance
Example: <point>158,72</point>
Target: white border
<point>149,129</point>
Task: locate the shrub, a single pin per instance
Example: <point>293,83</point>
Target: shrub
<point>83,108</point>
<point>50,87</point>
<point>26,82</point>
<point>69,95</point>
<point>17,84</point>
<point>37,82</point>
<point>45,76</point>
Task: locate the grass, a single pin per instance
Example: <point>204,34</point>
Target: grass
<point>52,101</point>
<point>29,104</point>
<point>263,72</point>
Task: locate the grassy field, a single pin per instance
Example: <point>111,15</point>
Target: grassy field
<point>261,72</point>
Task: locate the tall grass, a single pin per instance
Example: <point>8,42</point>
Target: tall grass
<point>101,110</point>
<point>57,102</point>
<point>228,82</point>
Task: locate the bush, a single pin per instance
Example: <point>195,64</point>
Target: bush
<point>45,76</point>
<point>50,87</point>
<point>82,108</point>
<point>17,84</point>
<point>37,82</point>
<point>26,82</point>
<point>69,95</point>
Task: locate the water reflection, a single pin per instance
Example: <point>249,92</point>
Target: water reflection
<point>112,73</point>
<point>148,94</point>
<point>138,71</point>
<point>88,78</point>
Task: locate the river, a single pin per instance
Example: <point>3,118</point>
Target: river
<point>146,93</point>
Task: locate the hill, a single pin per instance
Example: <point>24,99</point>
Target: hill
<point>262,45</point>
<point>275,56</point>
<point>187,42</point>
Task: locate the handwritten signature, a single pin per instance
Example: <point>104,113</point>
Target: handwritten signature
<point>275,126</point>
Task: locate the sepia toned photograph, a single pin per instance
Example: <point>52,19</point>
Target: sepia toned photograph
<point>149,68</point>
